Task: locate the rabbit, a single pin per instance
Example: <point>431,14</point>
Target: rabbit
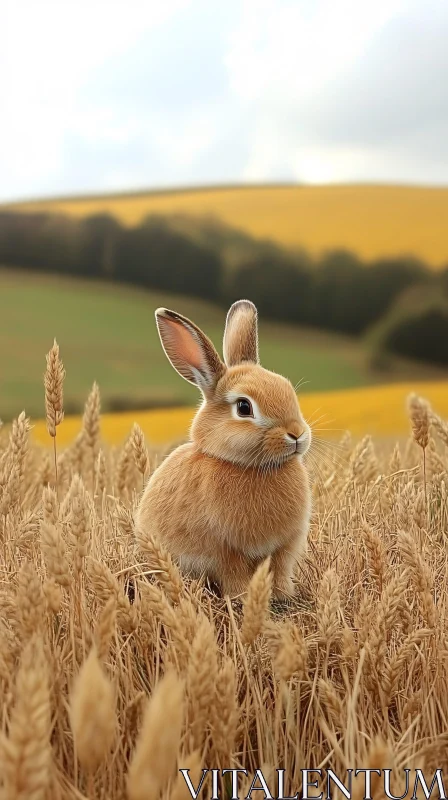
<point>238,490</point>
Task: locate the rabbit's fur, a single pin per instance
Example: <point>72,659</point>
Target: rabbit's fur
<point>238,491</point>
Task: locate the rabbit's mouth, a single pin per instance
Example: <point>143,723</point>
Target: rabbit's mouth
<point>279,460</point>
<point>298,444</point>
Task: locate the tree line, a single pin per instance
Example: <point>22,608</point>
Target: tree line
<point>337,291</point>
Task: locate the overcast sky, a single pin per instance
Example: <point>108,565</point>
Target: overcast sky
<point>126,94</point>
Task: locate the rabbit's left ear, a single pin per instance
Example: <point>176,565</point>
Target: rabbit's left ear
<point>241,334</point>
<point>189,350</point>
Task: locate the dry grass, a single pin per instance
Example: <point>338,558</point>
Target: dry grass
<point>370,220</point>
<point>115,671</point>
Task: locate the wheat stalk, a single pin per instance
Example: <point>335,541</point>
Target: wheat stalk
<point>91,427</point>
<point>26,751</point>
<point>256,603</point>
<point>92,714</point>
<point>201,682</point>
<point>30,601</point>
<point>159,560</point>
<point>154,759</point>
<point>419,415</point>
<point>53,550</point>
<point>54,398</point>
<point>139,449</point>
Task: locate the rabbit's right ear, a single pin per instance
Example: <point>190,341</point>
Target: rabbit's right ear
<point>190,351</point>
<point>241,334</point>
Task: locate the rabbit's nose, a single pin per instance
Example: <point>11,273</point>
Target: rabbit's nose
<point>297,435</point>
<point>294,428</point>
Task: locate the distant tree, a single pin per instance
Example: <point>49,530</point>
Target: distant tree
<point>387,278</point>
<point>19,235</point>
<point>444,280</point>
<point>338,292</point>
<point>422,335</point>
<point>279,286</point>
<point>416,326</point>
<point>41,241</point>
<point>98,240</point>
<point>57,245</point>
<point>350,295</point>
<point>154,254</point>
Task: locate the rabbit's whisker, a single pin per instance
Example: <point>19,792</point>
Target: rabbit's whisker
<point>300,383</point>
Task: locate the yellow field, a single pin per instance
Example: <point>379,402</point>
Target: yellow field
<point>379,410</point>
<point>369,220</point>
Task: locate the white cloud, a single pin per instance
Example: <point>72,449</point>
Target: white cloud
<point>281,60</point>
<point>185,145</point>
<point>288,51</point>
<point>338,91</point>
<point>50,50</point>
<point>131,93</point>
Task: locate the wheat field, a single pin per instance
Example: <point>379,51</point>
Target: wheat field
<point>116,671</point>
<point>370,220</point>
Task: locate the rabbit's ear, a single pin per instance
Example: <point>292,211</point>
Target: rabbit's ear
<point>189,350</point>
<point>241,334</point>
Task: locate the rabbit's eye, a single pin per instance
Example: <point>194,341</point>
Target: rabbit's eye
<point>244,407</point>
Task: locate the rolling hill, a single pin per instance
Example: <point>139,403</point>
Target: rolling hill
<point>370,220</point>
<point>107,333</point>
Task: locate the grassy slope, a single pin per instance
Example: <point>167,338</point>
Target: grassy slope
<point>107,333</point>
<point>370,220</point>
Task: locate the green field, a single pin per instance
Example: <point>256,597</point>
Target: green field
<point>107,333</point>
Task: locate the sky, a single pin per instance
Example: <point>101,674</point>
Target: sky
<point>133,94</point>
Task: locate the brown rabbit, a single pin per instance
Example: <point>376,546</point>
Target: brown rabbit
<point>238,491</point>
